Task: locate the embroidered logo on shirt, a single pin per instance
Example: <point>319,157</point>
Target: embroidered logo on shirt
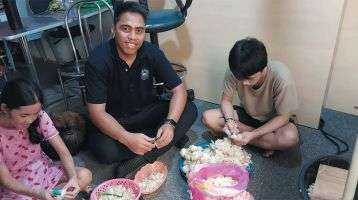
<point>144,74</point>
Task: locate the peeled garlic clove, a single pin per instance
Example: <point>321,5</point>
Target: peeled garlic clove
<point>227,131</point>
<point>183,152</point>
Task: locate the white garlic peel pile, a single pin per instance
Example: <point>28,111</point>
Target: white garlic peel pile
<point>220,151</point>
<point>150,183</point>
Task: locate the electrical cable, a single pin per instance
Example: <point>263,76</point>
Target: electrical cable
<point>309,170</point>
<point>332,139</point>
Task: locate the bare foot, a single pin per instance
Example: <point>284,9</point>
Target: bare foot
<point>268,153</point>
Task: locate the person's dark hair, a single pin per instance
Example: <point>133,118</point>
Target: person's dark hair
<point>21,92</point>
<point>247,57</point>
<point>129,6</point>
<point>72,129</point>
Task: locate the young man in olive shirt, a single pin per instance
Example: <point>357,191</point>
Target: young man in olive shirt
<point>267,95</point>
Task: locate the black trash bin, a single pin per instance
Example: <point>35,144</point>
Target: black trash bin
<point>309,171</point>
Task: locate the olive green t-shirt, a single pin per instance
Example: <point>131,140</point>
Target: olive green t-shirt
<point>276,96</point>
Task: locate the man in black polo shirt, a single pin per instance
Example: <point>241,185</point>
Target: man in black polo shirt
<point>131,126</point>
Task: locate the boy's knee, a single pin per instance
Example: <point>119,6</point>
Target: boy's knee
<point>292,138</point>
<point>205,119</point>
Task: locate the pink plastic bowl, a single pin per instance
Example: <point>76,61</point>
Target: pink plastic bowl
<point>127,183</point>
<point>203,172</point>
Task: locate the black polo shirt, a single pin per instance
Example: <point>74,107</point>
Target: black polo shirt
<point>126,91</point>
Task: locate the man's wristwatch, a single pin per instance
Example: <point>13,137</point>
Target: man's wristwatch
<point>171,122</point>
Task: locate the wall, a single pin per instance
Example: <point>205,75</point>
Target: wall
<point>342,93</point>
<point>301,34</point>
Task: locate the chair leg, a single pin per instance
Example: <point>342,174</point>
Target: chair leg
<point>3,67</point>
<point>9,56</point>
<point>39,47</point>
<point>154,38</point>
<point>63,90</point>
<point>179,69</point>
<point>52,47</point>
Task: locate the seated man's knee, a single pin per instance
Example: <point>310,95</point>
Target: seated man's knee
<point>106,157</point>
<point>106,153</point>
<point>103,147</point>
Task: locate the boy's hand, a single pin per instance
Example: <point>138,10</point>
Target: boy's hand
<point>231,127</point>
<point>243,138</point>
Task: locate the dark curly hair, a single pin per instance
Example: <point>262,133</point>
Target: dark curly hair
<point>72,129</point>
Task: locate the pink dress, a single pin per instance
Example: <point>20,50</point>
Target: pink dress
<point>25,161</point>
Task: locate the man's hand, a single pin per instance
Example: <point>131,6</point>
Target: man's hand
<point>71,189</point>
<point>232,127</point>
<point>243,138</point>
<point>165,135</point>
<point>139,143</point>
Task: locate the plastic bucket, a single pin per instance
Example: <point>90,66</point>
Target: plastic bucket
<point>309,171</point>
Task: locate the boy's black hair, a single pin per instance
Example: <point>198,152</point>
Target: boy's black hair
<point>129,6</point>
<point>247,57</point>
<point>22,92</point>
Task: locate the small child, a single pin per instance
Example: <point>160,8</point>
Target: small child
<point>25,171</point>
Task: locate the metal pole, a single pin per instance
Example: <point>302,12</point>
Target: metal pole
<point>29,60</point>
<point>351,183</point>
<point>9,56</point>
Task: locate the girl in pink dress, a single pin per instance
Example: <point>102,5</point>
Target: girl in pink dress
<point>25,171</point>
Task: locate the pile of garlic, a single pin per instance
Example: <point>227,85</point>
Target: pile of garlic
<point>117,193</point>
<point>220,151</point>
<point>150,183</point>
<point>221,181</point>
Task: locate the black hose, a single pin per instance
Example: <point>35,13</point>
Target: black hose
<point>309,171</point>
<point>333,139</point>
